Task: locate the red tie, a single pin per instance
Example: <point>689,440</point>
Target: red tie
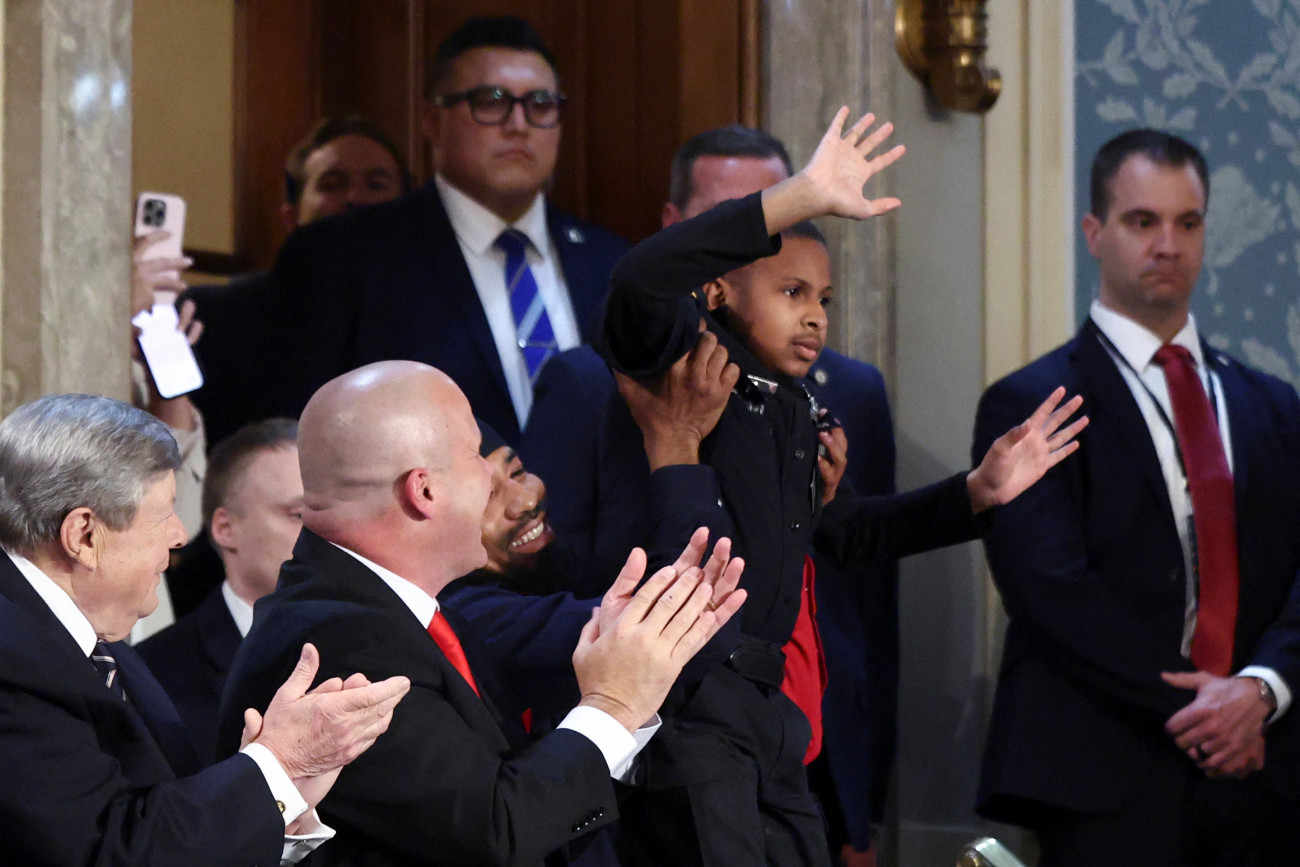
<point>447,641</point>
<point>1214,511</point>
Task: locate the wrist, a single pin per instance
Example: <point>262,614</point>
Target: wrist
<point>1266,694</point>
<point>979,497</point>
<point>619,711</point>
<point>678,448</point>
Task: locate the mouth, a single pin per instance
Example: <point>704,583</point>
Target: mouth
<point>533,539</point>
<point>516,153</point>
<point>808,348</point>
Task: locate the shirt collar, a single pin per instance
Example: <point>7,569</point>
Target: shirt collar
<point>240,611</point>
<point>422,605</point>
<point>60,604</point>
<point>1136,344</point>
<point>478,228</point>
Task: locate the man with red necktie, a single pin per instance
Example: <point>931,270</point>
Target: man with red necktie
<point>1143,712</point>
<point>394,497</point>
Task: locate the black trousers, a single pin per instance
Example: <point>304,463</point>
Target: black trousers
<point>1180,818</point>
<point>725,783</point>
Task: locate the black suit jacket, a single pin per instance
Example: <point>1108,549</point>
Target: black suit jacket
<point>191,659</point>
<point>1092,576</point>
<point>232,352</point>
<point>91,779</point>
<point>389,281</point>
<point>453,780</point>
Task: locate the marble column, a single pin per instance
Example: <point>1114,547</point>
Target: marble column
<point>67,198</point>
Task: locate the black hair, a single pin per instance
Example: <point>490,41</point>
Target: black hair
<point>503,31</point>
<point>1162,148</point>
<point>725,141</point>
<point>805,229</point>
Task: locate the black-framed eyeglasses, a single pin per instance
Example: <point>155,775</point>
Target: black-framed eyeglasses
<point>492,106</point>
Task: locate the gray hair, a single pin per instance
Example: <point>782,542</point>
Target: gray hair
<point>68,451</point>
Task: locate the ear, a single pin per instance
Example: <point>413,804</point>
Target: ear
<point>419,497</point>
<point>222,530</point>
<point>81,538</point>
<point>671,214</point>
<point>716,292</point>
<point>1091,229</point>
<point>289,216</point>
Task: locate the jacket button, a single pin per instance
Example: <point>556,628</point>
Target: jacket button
<point>795,525</point>
<point>798,454</point>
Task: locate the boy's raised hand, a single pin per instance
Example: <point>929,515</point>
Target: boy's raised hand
<point>832,181</point>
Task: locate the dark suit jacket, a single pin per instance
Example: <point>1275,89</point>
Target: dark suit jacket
<point>191,659</point>
<point>389,281</point>
<point>232,351</point>
<point>1091,573</point>
<point>453,780</point>
<point>91,779</point>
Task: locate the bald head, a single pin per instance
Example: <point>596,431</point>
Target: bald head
<point>391,470</point>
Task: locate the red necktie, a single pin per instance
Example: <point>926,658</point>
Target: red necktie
<point>1214,512</point>
<point>447,641</point>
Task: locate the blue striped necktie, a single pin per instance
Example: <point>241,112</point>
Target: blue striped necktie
<point>533,331</point>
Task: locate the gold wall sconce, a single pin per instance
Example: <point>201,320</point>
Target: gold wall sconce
<point>943,42</point>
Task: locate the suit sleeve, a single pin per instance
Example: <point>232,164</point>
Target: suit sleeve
<point>858,532</point>
<point>67,801</point>
<point>1040,562</point>
<point>651,317</point>
<point>442,785</point>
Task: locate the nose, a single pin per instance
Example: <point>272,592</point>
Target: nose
<point>1167,241</point>
<point>520,501</point>
<point>515,120</point>
<point>177,537</point>
<point>815,315</point>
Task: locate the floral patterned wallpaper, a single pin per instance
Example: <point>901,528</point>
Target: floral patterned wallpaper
<point>1224,74</point>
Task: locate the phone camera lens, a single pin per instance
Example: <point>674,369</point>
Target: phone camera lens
<point>155,212</point>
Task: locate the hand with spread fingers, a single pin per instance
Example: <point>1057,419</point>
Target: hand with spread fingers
<point>626,665</point>
<point>832,182</point>
<point>1023,454</point>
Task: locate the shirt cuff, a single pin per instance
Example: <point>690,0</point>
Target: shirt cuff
<point>299,846</point>
<point>286,795</point>
<point>1276,683</point>
<point>615,743</point>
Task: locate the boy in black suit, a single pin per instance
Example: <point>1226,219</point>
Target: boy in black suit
<point>738,734</point>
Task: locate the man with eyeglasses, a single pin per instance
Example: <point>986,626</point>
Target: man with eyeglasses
<point>474,273</point>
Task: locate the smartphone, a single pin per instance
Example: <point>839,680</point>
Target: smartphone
<point>166,350</point>
<point>154,211</point>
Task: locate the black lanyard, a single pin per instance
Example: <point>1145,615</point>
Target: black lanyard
<point>1160,410</point>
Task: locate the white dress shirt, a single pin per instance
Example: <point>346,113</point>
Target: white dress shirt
<point>1132,347</point>
<point>240,611</point>
<point>297,846</point>
<point>477,230</point>
<point>615,743</point>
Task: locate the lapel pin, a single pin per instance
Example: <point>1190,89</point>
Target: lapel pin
<point>819,376</point>
<point>574,234</point>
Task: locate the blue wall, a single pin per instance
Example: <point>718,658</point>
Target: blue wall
<point>1224,74</point>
